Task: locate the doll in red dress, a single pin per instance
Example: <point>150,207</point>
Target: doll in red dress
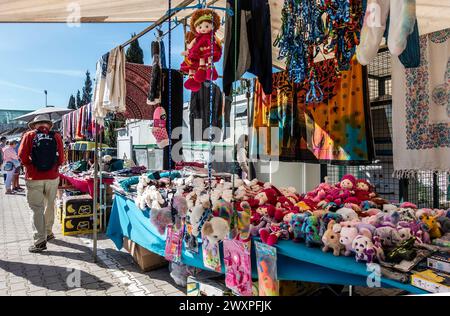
<point>205,49</point>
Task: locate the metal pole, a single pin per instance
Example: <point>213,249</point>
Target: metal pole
<point>94,236</point>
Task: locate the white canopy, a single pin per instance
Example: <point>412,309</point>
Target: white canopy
<point>432,15</point>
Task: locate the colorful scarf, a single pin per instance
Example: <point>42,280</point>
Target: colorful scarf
<point>336,130</point>
<point>421,109</point>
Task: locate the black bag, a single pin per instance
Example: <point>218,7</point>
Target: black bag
<point>44,152</point>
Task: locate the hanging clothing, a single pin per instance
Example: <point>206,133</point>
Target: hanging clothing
<point>410,58</point>
<point>403,17</point>
<point>154,92</point>
<point>110,91</point>
<point>338,129</point>
<point>248,43</point>
<point>421,109</point>
<point>199,111</point>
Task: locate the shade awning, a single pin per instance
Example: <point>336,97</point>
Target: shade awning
<point>432,15</point>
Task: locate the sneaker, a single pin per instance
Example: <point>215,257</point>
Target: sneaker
<point>38,248</point>
<point>50,237</point>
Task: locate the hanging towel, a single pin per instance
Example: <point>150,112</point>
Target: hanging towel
<point>421,109</point>
<point>402,20</point>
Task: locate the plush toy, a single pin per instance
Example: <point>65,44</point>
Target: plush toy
<point>310,230</point>
<point>194,217</point>
<point>267,196</point>
<point>388,235</point>
<point>348,232</point>
<point>160,218</point>
<point>204,49</point>
<point>296,226</point>
<point>180,207</point>
<point>325,219</point>
<point>343,190</point>
<point>444,222</point>
<point>331,238</point>
<point>431,225</point>
<point>347,214</point>
<point>363,190</point>
<point>366,250</point>
<point>243,222</point>
<point>140,202</point>
<point>153,198</point>
<point>216,229</point>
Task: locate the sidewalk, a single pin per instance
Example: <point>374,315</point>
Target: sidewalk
<point>67,267</point>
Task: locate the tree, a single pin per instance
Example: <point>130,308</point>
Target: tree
<point>72,103</point>
<point>134,53</point>
<point>87,89</point>
<point>79,102</point>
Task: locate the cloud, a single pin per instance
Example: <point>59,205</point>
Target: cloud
<point>19,86</point>
<point>62,72</point>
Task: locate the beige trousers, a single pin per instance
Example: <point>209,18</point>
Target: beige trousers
<point>41,195</point>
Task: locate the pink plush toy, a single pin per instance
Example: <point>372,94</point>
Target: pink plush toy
<point>159,127</point>
<point>343,191</point>
<point>348,233</point>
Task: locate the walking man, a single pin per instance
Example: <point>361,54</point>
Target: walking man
<point>2,146</point>
<point>41,152</point>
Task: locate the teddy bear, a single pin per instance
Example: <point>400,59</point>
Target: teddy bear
<point>266,196</point>
<point>331,237</point>
<point>343,190</point>
<point>194,217</point>
<point>204,49</point>
<point>261,217</point>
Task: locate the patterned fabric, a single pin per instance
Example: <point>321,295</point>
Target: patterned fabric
<point>137,78</point>
<point>421,98</point>
<point>334,130</point>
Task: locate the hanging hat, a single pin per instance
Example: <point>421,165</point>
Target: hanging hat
<point>41,118</point>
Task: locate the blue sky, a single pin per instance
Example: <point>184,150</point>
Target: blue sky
<point>54,57</point>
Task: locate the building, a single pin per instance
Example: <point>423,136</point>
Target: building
<point>7,122</point>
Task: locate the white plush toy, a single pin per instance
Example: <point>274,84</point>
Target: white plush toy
<point>143,183</point>
<point>216,229</point>
<point>194,215</point>
<point>347,214</point>
<point>153,198</point>
<point>140,202</point>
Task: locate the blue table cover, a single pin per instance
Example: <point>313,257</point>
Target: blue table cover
<point>295,260</point>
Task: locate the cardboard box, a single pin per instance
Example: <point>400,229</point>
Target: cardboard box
<point>79,224</point>
<point>431,281</point>
<point>145,259</point>
<point>78,205</point>
<point>206,287</point>
<point>439,261</point>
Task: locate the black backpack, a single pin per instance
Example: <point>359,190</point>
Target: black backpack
<point>44,151</point>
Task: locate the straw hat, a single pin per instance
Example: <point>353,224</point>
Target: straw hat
<point>41,118</point>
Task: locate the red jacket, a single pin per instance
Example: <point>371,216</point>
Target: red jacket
<point>26,146</point>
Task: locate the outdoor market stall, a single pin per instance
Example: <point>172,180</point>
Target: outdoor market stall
<point>319,106</point>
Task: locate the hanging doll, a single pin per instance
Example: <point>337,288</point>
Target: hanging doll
<point>205,49</point>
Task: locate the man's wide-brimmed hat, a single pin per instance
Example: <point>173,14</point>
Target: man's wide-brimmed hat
<point>42,118</point>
